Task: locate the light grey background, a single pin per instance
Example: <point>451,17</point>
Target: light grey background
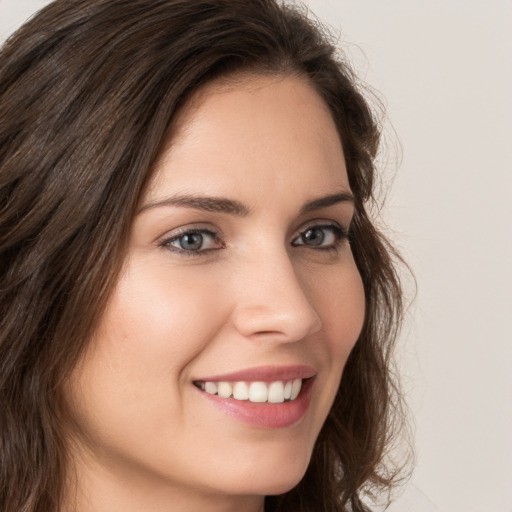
<point>445,71</point>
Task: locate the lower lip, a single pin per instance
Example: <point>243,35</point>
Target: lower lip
<point>265,415</point>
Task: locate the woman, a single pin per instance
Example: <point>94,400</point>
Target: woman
<point>197,312</point>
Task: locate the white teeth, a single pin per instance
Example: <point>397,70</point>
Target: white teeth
<point>288,390</point>
<point>224,389</point>
<point>297,384</point>
<point>259,392</point>
<point>241,391</point>
<point>210,387</point>
<point>276,393</point>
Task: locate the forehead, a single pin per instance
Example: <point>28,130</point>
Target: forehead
<point>252,131</point>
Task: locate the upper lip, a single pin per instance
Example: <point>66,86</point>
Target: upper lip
<point>264,374</point>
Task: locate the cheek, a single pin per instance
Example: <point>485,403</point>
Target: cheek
<point>154,326</point>
<point>164,314</point>
<point>346,314</point>
<point>338,297</point>
<point>337,294</point>
<point>341,303</point>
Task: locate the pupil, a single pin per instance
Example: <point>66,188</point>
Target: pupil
<point>192,241</point>
<point>313,236</point>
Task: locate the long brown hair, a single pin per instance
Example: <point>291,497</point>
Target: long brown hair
<point>88,90</point>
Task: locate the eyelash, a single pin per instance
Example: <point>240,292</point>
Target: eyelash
<point>167,243</point>
<point>340,235</point>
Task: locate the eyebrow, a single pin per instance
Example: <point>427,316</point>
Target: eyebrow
<point>330,200</point>
<point>233,207</point>
<point>204,203</point>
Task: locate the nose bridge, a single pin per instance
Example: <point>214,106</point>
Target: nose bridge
<point>272,300</point>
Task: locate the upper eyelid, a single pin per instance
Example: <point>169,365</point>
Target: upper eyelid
<point>183,231</point>
<point>341,231</point>
<point>191,228</point>
<point>165,242</point>
<point>321,223</point>
<point>218,234</point>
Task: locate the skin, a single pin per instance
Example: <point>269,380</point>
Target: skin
<point>142,436</point>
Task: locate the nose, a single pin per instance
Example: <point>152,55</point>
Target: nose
<point>272,302</point>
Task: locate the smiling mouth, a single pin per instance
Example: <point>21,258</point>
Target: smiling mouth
<point>257,392</point>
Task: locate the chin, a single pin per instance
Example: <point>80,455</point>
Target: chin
<point>281,484</point>
<point>272,479</point>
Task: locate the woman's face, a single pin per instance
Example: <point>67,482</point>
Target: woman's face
<point>238,279</point>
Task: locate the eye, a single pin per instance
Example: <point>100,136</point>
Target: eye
<point>193,241</point>
<point>324,236</point>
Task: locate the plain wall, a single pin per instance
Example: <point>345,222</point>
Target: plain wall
<point>444,69</point>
